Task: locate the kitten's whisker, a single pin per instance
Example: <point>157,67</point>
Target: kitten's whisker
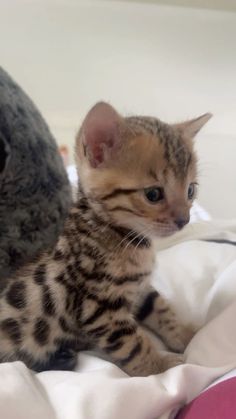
<point>134,238</point>
<point>125,238</point>
<point>119,245</point>
<point>131,241</point>
<point>145,236</point>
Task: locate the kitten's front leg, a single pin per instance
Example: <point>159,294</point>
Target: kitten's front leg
<point>155,313</point>
<point>127,345</point>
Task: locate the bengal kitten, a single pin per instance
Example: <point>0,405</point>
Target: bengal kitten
<point>92,291</point>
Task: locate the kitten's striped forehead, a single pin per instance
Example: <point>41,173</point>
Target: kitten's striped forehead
<point>143,124</point>
<point>176,152</point>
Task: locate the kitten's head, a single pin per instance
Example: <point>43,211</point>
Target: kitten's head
<point>138,172</point>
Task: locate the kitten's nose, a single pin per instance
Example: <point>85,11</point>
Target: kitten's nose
<point>181,222</point>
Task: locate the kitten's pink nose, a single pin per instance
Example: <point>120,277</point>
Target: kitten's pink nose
<point>181,222</point>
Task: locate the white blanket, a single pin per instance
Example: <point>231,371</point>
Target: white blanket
<point>200,279</point>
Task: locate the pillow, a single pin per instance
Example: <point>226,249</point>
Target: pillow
<point>218,402</point>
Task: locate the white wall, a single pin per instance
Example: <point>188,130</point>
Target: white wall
<point>171,62</point>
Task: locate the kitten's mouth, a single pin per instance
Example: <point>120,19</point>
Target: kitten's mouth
<point>168,229</point>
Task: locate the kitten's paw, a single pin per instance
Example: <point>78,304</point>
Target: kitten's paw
<point>180,338</point>
<point>171,360</point>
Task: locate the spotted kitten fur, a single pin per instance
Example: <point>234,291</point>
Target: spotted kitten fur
<point>92,291</point>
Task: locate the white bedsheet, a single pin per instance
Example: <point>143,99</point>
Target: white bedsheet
<point>200,278</point>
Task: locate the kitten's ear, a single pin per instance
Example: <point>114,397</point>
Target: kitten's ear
<point>192,127</point>
<point>100,134</point>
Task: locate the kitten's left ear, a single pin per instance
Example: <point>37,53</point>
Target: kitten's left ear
<point>192,127</point>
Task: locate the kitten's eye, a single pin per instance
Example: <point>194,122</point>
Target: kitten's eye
<point>154,195</point>
<point>191,191</point>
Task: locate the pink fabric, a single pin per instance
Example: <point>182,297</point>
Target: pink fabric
<point>219,402</point>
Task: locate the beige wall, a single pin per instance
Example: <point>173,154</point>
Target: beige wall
<point>167,61</point>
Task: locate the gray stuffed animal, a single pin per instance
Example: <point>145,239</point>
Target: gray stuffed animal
<point>34,190</point>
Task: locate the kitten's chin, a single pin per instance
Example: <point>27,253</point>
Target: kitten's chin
<point>165,233</point>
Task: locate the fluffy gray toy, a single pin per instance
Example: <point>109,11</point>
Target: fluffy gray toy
<point>34,189</point>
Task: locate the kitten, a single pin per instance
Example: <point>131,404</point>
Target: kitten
<point>92,291</point>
